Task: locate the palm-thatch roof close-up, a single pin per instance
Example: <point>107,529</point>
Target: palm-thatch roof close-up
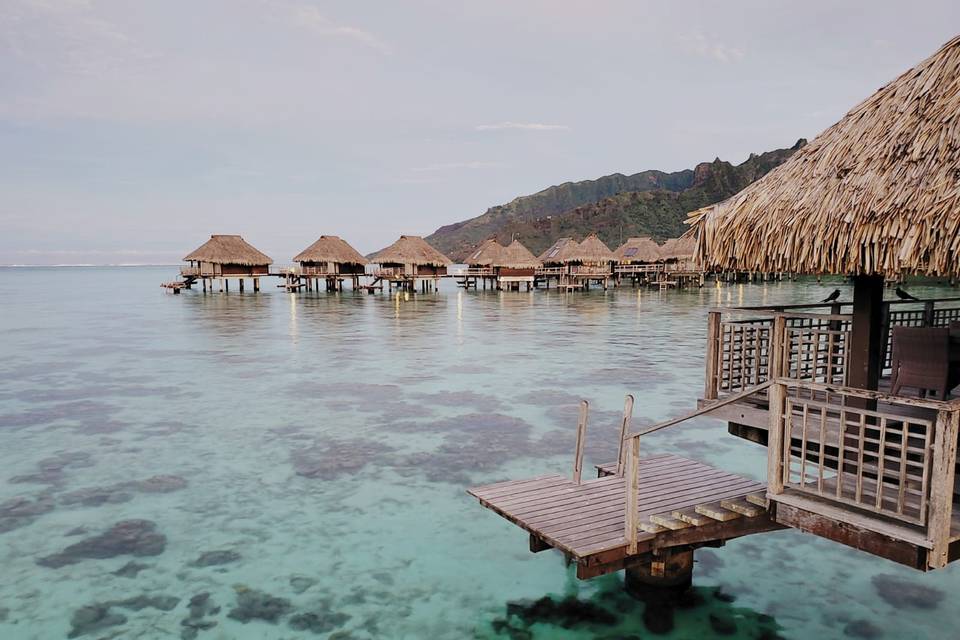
<point>877,193</point>
<point>591,250</point>
<point>228,249</point>
<point>330,249</point>
<point>638,250</point>
<point>679,248</point>
<point>516,256</point>
<point>558,251</point>
<point>411,250</point>
<point>485,254</point>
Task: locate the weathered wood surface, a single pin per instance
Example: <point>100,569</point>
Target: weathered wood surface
<point>587,520</point>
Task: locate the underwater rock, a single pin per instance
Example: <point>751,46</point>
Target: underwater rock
<point>201,605</point>
<point>4,614</point>
<point>862,629</point>
<point>257,605</point>
<point>899,592</point>
<point>322,621</point>
<point>94,617</point>
<point>337,458</point>
<point>128,537</point>
<point>159,484</point>
<point>95,496</point>
<point>723,624</point>
<point>192,628</point>
<point>130,570</point>
<point>144,601</point>
<point>21,511</point>
<point>214,558</point>
<point>299,584</point>
<point>501,627</point>
<point>122,491</point>
<point>566,613</point>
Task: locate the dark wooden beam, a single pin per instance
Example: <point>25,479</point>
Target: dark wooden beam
<point>866,333</point>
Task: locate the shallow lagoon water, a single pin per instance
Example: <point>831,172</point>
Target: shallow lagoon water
<point>304,459</point>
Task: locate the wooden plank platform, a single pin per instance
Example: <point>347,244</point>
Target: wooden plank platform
<point>586,521</point>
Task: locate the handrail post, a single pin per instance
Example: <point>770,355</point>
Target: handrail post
<point>928,314</point>
<point>632,495</point>
<point>713,356</point>
<point>581,434</point>
<point>940,506</point>
<point>777,399</point>
<point>624,430</point>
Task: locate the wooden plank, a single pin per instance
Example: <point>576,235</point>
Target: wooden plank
<point>690,516</point>
<point>851,535</point>
<point>759,499</point>
<point>742,506</point>
<point>717,512</point>
<point>624,430</point>
<point>631,519</point>
<point>651,527</point>
<point>669,522</point>
<point>941,487</point>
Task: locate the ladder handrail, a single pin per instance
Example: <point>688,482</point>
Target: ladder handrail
<point>702,410</point>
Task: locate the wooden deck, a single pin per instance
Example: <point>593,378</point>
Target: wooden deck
<point>682,503</point>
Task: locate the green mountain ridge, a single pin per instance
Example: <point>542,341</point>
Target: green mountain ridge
<point>615,207</point>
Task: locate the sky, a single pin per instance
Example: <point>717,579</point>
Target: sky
<point>131,131</point>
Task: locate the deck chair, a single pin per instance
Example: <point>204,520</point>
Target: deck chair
<point>921,359</point>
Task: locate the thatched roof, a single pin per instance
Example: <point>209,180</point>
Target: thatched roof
<point>411,250</point>
<point>876,193</point>
<point>330,249</point>
<point>683,248</point>
<point>558,251</point>
<point>516,256</point>
<point>223,249</point>
<point>485,254</point>
<point>638,250</point>
<point>591,249</point>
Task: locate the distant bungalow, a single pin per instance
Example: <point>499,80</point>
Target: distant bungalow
<point>409,260</point>
<point>223,257</point>
<point>331,259</point>
<point>590,261</point>
<point>638,259</point>
<point>501,266</point>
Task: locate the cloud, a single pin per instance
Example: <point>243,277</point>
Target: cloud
<point>310,18</point>
<point>525,126</point>
<point>707,46</point>
<point>452,166</point>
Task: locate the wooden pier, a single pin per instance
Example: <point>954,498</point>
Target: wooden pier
<point>681,504</point>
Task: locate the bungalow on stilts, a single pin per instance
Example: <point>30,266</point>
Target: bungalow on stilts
<point>223,258</point>
<point>332,260</point>
<point>639,260</point>
<point>410,261</point>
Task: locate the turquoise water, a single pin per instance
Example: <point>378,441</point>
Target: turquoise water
<point>302,460</point>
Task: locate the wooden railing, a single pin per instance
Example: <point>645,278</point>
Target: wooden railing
<point>739,351</point>
<point>633,269</point>
<point>477,272</point>
<point>590,270</point>
<point>895,459</point>
<point>187,272</point>
<point>550,271</point>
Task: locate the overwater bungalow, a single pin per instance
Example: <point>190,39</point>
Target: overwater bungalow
<point>638,259</point>
<point>480,270</point>
<point>409,261</point>
<point>224,258</point>
<point>516,265</point>
<point>680,267</point>
<point>332,260</point>
<point>554,261</point>
<point>849,456</point>
<point>590,261</point>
